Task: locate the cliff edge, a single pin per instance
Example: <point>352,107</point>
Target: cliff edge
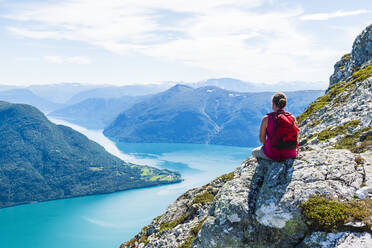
<point>323,198</point>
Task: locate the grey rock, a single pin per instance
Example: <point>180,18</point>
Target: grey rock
<point>265,196</point>
<point>363,192</point>
<point>360,54</point>
<point>337,240</point>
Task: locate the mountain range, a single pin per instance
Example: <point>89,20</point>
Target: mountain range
<point>66,94</point>
<point>206,115</point>
<point>26,96</point>
<point>237,85</point>
<point>96,113</point>
<point>43,161</point>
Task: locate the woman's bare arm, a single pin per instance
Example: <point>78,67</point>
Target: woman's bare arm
<point>263,129</point>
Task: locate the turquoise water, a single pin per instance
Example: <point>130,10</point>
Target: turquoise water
<point>102,221</point>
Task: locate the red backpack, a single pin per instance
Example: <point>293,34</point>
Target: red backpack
<point>285,131</point>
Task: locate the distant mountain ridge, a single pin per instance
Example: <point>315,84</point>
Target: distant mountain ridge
<point>42,161</point>
<point>206,115</point>
<point>108,92</point>
<point>61,92</point>
<point>25,96</point>
<point>96,113</point>
<point>73,93</point>
<point>243,86</point>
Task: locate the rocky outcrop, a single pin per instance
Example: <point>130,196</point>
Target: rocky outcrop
<point>360,54</point>
<point>182,220</point>
<point>259,206</point>
<point>341,118</point>
<point>323,198</point>
<point>340,240</point>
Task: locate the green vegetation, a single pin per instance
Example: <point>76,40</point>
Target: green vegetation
<point>145,172</point>
<point>42,161</point>
<point>334,93</point>
<point>156,220</point>
<point>357,142</point>
<point>330,215</point>
<point>144,237</point>
<point>170,225</point>
<point>161,178</point>
<point>335,131</point>
<point>346,57</point>
<point>227,177</point>
<point>362,74</point>
<point>131,243</point>
<point>154,178</point>
<point>192,235</point>
<point>316,123</point>
<point>204,197</point>
<point>321,102</point>
<point>294,225</point>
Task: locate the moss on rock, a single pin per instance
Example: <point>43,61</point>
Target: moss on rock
<point>362,74</point>
<point>357,142</point>
<point>334,92</point>
<point>227,177</point>
<point>192,235</point>
<point>170,225</point>
<point>329,215</point>
<point>204,197</point>
<point>335,131</point>
<point>346,57</point>
<point>294,225</point>
<point>322,101</point>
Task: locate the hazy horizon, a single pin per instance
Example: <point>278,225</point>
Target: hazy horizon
<point>325,84</point>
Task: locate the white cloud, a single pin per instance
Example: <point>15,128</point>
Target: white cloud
<point>225,37</point>
<point>81,60</point>
<point>339,13</point>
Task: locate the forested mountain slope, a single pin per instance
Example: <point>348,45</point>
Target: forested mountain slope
<point>207,115</point>
<point>42,161</point>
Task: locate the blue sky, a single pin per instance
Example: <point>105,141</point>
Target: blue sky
<point>149,41</point>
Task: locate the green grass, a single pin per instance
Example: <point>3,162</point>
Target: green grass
<point>346,57</point>
<point>170,225</point>
<point>161,178</point>
<point>204,197</point>
<point>145,171</point>
<point>192,235</point>
<point>316,123</point>
<point>227,177</point>
<point>322,101</point>
<point>362,74</point>
<point>334,92</point>
<point>155,178</point>
<point>355,143</point>
<point>331,132</point>
<point>329,215</point>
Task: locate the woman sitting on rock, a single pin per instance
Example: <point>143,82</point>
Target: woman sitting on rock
<point>278,133</point>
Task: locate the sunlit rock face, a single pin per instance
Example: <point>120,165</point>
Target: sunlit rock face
<point>361,53</point>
